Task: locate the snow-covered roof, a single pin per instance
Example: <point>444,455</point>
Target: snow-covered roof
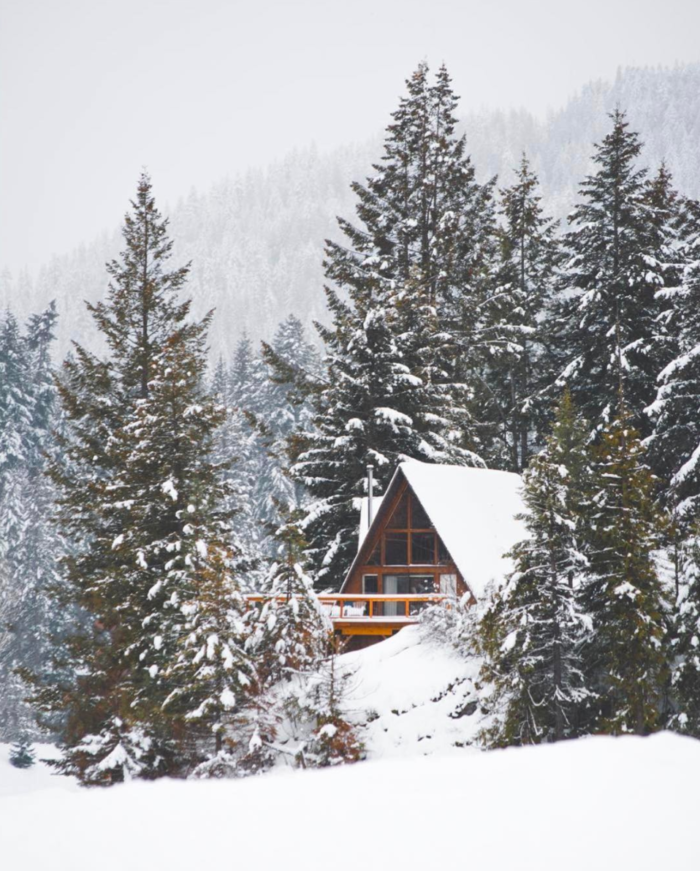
<point>474,512</point>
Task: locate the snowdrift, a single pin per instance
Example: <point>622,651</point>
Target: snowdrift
<point>424,799</point>
<point>604,803</point>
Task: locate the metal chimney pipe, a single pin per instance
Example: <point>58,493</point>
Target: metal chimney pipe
<point>370,495</point>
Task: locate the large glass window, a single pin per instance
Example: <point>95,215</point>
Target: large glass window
<point>370,585</point>
<point>421,585</point>
<point>422,548</point>
<point>375,558</point>
<point>396,549</point>
<point>399,519</point>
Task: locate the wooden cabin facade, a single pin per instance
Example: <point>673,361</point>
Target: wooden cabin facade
<point>438,532</point>
<point>402,552</point>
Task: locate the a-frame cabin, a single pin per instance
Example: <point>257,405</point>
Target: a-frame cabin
<point>437,530</point>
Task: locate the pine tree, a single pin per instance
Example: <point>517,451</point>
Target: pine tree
<point>40,335</point>
<point>675,442</point>
<point>292,632</point>
<point>286,412</point>
<point>532,633</point>
<point>609,309</point>
<point>685,645</point>
<point>214,680</point>
<point>426,227</point>
<point>29,543</point>
<point>516,324</point>
<point>140,500</point>
<point>240,453</point>
<point>626,657</point>
<point>17,401</point>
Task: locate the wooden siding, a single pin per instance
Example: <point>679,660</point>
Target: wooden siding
<point>376,536</point>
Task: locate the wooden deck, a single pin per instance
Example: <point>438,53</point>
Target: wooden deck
<point>371,614</point>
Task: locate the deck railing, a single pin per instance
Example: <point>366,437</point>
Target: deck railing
<point>349,606</point>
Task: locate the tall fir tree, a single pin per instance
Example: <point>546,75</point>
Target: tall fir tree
<point>519,361</point>
<point>141,497</point>
<point>426,229</point>
<point>532,634</point>
<point>626,656</point>
<point>675,441</point>
<point>609,308</point>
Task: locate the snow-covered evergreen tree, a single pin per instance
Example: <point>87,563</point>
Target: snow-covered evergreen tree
<point>292,632</point>
<point>685,643</point>
<point>141,500</point>
<point>516,326</point>
<point>424,223</point>
<point>609,308</point>
<point>22,754</point>
<point>532,633</point>
<point>17,401</point>
<point>333,740</point>
<point>239,451</point>
<point>286,413</point>
<point>675,412</point>
<point>214,681</point>
<point>626,656</point>
<point>29,543</point>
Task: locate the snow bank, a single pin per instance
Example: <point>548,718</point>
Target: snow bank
<point>601,803</point>
<point>424,799</point>
<point>412,696</point>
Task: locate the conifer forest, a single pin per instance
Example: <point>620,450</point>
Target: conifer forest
<point>182,473</point>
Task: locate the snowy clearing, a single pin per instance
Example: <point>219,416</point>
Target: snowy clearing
<point>602,803</point>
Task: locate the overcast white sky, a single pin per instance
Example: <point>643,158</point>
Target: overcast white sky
<point>92,90</point>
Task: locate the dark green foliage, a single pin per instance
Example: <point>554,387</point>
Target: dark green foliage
<point>140,500</point>
<point>402,341</point>
<point>626,656</point>
<point>517,322</point>
<point>532,633</point>
<point>609,312</point>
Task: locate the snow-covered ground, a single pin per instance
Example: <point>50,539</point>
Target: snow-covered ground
<point>598,803</point>
<point>412,697</point>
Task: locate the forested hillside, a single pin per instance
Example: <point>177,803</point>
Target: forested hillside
<point>178,516</point>
<point>256,238</point>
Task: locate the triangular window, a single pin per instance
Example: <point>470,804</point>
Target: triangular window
<point>399,519</point>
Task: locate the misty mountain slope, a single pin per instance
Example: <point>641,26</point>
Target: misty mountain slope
<point>662,104</point>
<point>256,240</point>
